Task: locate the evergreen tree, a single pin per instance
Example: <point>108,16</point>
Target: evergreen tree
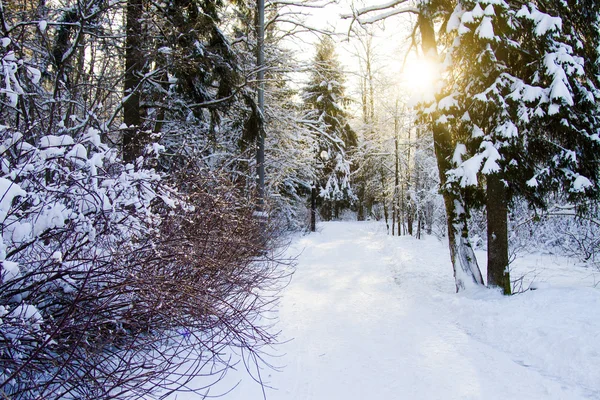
<point>324,96</point>
<point>521,104</point>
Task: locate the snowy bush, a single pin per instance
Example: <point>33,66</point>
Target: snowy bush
<point>561,229</point>
<point>109,275</point>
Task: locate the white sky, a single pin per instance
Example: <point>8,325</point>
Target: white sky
<point>391,44</point>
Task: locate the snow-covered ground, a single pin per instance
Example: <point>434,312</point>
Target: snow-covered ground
<point>374,317</point>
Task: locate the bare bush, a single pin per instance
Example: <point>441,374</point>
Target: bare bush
<point>113,284</point>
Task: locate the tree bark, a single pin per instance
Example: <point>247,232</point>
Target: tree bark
<point>497,234</point>
<point>313,208</point>
<point>396,174</point>
<point>132,138</point>
<point>464,262</point>
<point>419,222</point>
<point>409,215</point>
<point>384,201</point>
<point>401,214</point>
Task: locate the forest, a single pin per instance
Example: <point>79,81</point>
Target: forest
<point>159,156</point>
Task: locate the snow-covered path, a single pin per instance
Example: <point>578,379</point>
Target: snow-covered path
<point>376,317</point>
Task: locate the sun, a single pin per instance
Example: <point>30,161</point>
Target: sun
<point>419,77</point>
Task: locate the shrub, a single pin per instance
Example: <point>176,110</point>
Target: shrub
<point>114,284</point>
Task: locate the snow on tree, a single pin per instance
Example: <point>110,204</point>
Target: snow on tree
<point>520,101</point>
<point>324,96</point>
<point>114,274</point>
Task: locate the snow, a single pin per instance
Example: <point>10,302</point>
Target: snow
<point>78,151</point>
<point>544,23</point>
<point>459,152</point>
<point>580,184</point>
<point>34,74</point>
<point>559,90</point>
<point>489,10</point>
<point>508,130</point>
<point>468,169</point>
<point>477,132</point>
<point>8,191</point>
<point>370,316</point>
<point>485,29</point>
<point>455,19</point>
<point>9,69</point>
<point>55,141</point>
<point>9,270</point>
<point>447,103</point>
<point>93,136</point>
<point>477,11</point>
<point>532,182</point>
<point>467,18</point>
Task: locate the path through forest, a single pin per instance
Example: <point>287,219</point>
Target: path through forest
<point>371,316</point>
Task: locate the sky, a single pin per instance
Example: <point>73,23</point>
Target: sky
<point>391,48</point>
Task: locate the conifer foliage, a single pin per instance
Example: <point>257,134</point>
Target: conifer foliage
<point>520,101</point>
<point>324,96</point>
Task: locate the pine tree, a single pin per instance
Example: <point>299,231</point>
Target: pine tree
<point>521,105</point>
<point>324,96</point>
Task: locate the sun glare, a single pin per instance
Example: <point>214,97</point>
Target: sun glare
<point>419,77</point>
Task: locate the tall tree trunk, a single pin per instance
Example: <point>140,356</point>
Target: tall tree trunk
<point>384,200</point>
<point>313,208</point>
<point>464,262</point>
<point>497,234</point>
<point>409,215</point>
<point>396,173</point>
<point>402,208</point>
<point>394,215</point>
<point>399,216</point>
<point>429,218</point>
<point>132,138</point>
<point>409,202</point>
<point>360,216</point>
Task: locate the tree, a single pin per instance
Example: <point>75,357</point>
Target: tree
<point>521,103</point>
<point>134,66</point>
<point>366,161</point>
<point>290,137</point>
<point>324,96</point>
<point>108,269</point>
<point>464,262</point>
<point>516,73</point>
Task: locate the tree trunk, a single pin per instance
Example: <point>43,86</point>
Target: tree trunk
<point>384,201</point>
<point>464,262</point>
<point>409,215</point>
<point>497,234</point>
<point>394,216</point>
<point>429,219</point>
<point>313,209</point>
<point>132,138</point>
<point>401,214</point>
<point>396,173</point>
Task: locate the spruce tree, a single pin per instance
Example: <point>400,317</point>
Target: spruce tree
<point>520,102</point>
<point>324,96</point>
